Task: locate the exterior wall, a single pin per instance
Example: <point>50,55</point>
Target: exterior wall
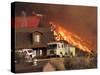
<point>49,52</point>
<point>60,49</point>
<point>60,52</point>
<point>67,50</point>
<point>23,39</point>
<point>72,51</point>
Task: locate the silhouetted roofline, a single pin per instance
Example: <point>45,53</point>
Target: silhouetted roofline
<point>42,29</point>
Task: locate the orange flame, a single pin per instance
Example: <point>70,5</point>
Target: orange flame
<point>72,38</point>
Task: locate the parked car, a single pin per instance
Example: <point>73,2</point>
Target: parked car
<point>29,54</point>
<point>26,54</point>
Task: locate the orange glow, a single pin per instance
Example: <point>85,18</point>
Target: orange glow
<point>32,21</point>
<point>72,38</point>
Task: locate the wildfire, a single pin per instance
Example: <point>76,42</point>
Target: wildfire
<point>72,38</point>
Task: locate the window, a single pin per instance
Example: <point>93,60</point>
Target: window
<point>71,53</point>
<point>61,53</point>
<point>40,52</point>
<point>58,45</point>
<point>62,46</point>
<point>52,46</point>
<point>37,38</point>
<point>52,52</point>
<point>66,53</point>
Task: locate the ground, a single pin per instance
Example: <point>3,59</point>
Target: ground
<point>29,67</point>
<point>59,63</point>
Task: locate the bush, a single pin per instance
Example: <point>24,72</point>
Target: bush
<point>79,63</point>
<point>19,57</point>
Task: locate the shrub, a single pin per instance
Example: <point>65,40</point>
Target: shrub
<point>79,63</point>
<point>19,57</point>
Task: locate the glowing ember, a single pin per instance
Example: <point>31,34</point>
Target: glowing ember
<point>72,38</point>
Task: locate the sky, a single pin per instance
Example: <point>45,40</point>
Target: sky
<point>80,20</point>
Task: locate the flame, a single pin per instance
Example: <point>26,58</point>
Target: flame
<point>70,37</point>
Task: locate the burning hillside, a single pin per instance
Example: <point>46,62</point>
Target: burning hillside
<point>72,38</point>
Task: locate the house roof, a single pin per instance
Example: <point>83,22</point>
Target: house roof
<point>23,37</point>
<point>39,29</point>
<point>60,41</point>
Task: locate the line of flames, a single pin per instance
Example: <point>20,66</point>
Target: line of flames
<point>72,38</point>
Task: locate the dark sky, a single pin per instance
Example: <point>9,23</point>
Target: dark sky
<point>82,20</point>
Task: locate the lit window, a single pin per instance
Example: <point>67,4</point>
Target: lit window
<point>40,52</point>
<point>37,38</point>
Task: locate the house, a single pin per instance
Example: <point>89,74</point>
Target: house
<point>56,48</point>
<point>60,48</point>
<point>33,38</point>
<point>32,32</point>
<point>41,39</point>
